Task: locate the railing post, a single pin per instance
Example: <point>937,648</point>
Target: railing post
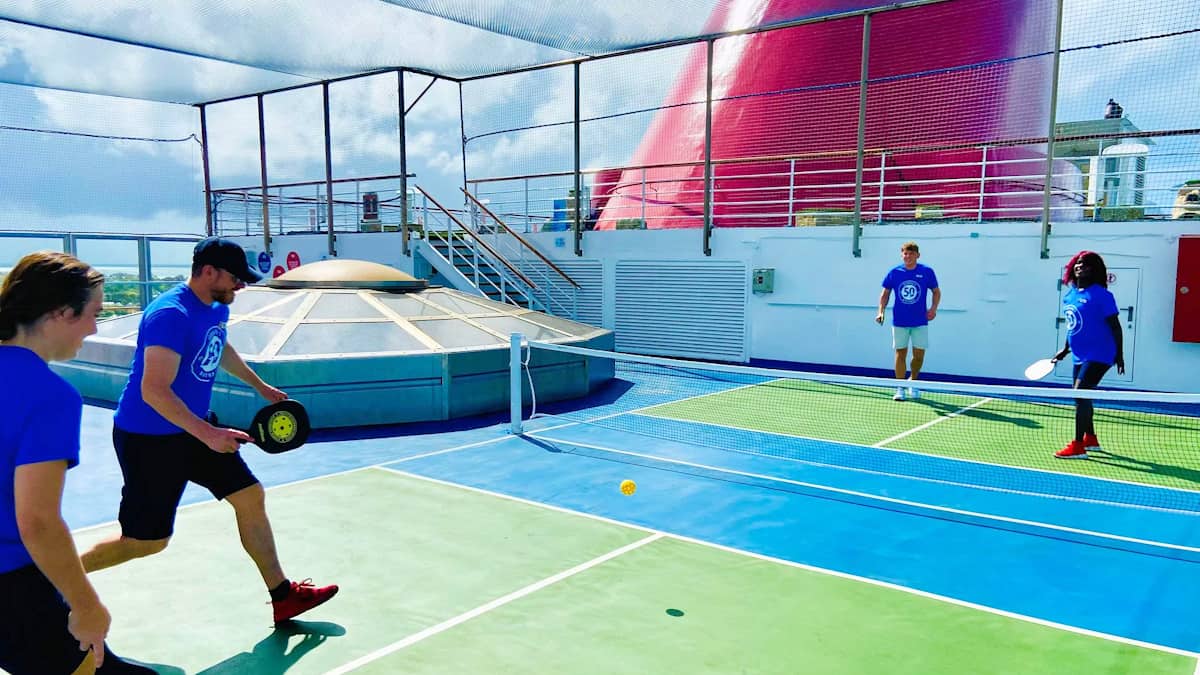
<point>209,226</point>
<point>882,185</point>
<point>862,134</point>
<point>328,169</point>
<point>791,192</point>
<point>982,184</point>
<point>1049,188</point>
<point>578,177</point>
<point>262,164</point>
<point>708,167</point>
<point>645,225</point>
<point>525,185</point>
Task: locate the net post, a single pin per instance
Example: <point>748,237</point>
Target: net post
<point>514,382</point>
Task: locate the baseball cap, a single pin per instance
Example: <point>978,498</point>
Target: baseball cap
<point>225,254</point>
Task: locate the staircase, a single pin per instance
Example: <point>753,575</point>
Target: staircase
<point>489,259</point>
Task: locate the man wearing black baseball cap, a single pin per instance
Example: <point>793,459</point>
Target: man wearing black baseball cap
<point>164,440</point>
<point>224,254</point>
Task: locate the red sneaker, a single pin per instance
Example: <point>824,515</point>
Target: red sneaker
<point>303,597</point>
<point>1090,442</point>
<point>1074,450</point>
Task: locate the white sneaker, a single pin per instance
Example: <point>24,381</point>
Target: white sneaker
<point>899,395</point>
<point>914,393</point>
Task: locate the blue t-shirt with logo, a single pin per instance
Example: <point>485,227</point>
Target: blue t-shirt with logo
<point>1088,333</point>
<point>178,321</point>
<point>41,424</point>
<point>910,288</point>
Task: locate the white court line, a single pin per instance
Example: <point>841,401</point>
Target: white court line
<point>914,477</point>
<point>809,568</point>
<point>489,606</point>
<point>916,453</point>
<point>891,500</point>
<point>930,423</point>
<point>633,411</point>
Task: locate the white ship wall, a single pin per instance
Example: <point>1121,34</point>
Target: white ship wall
<point>998,312</point>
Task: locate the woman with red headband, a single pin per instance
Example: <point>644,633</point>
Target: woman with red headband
<point>1093,337</point>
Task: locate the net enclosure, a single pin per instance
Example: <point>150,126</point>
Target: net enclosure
<point>950,450</point>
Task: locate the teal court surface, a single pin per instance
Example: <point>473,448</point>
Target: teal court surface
<point>759,540</point>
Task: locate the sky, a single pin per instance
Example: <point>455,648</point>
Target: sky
<point>51,181</point>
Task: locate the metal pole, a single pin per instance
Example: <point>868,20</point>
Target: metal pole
<point>328,171</point>
<point>791,191</point>
<point>514,383</point>
<point>855,248</point>
<point>208,211</point>
<point>882,184</point>
<point>578,177</point>
<point>708,168</point>
<point>404,244</point>
<point>1045,251</point>
<point>262,163</point>
<point>462,130</point>
<point>982,184</point>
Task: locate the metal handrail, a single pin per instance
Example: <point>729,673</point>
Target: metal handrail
<point>519,238</point>
<point>504,261</point>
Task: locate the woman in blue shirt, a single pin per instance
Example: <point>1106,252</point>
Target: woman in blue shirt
<point>1093,336</point>
<point>51,620</point>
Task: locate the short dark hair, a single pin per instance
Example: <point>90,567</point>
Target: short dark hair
<point>41,283</point>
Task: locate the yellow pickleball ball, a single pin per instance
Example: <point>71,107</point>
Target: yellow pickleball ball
<point>628,487</point>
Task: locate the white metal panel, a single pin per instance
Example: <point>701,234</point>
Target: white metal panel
<point>682,308</point>
<point>589,274</point>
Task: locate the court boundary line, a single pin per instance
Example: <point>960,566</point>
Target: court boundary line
<point>917,453</point>
<point>936,420</point>
<point>491,605</point>
<point>892,500</point>
<point>925,479</point>
<point>810,568</point>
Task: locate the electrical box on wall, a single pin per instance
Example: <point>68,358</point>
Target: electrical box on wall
<point>764,280</point>
<point>1187,290</point>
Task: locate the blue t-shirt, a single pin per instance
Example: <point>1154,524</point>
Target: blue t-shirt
<point>41,424</point>
<point>178,321</point>
<point>1088,333</point>
<point>911,288</point>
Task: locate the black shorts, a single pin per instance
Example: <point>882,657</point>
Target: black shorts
<point>33,626</point>
<point>1089,373</point>
<point>158,467</point>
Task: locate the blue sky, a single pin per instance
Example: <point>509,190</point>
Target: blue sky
<point>58,182</point>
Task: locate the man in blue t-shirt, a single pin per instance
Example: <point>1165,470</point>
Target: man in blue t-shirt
<point>163,437</point>
<point>912,283</point>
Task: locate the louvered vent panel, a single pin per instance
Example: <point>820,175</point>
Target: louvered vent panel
<point>682,308</point>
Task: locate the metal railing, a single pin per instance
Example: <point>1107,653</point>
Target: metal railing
<point>556,291</point>
<point>137,268</point>
<point>966,185</point>
<point>485,267</point>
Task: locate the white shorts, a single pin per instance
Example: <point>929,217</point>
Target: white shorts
<point>917,335</point>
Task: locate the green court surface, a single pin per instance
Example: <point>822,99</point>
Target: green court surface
<point>414,558</point>
<point>1140,447</point>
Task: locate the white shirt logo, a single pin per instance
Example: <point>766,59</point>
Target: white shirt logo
<point>909,291</point>
<point>1074,320</point>
<point>208,358</point>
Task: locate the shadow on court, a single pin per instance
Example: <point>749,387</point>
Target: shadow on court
<point>945,409</point>
<point>271,655</point>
